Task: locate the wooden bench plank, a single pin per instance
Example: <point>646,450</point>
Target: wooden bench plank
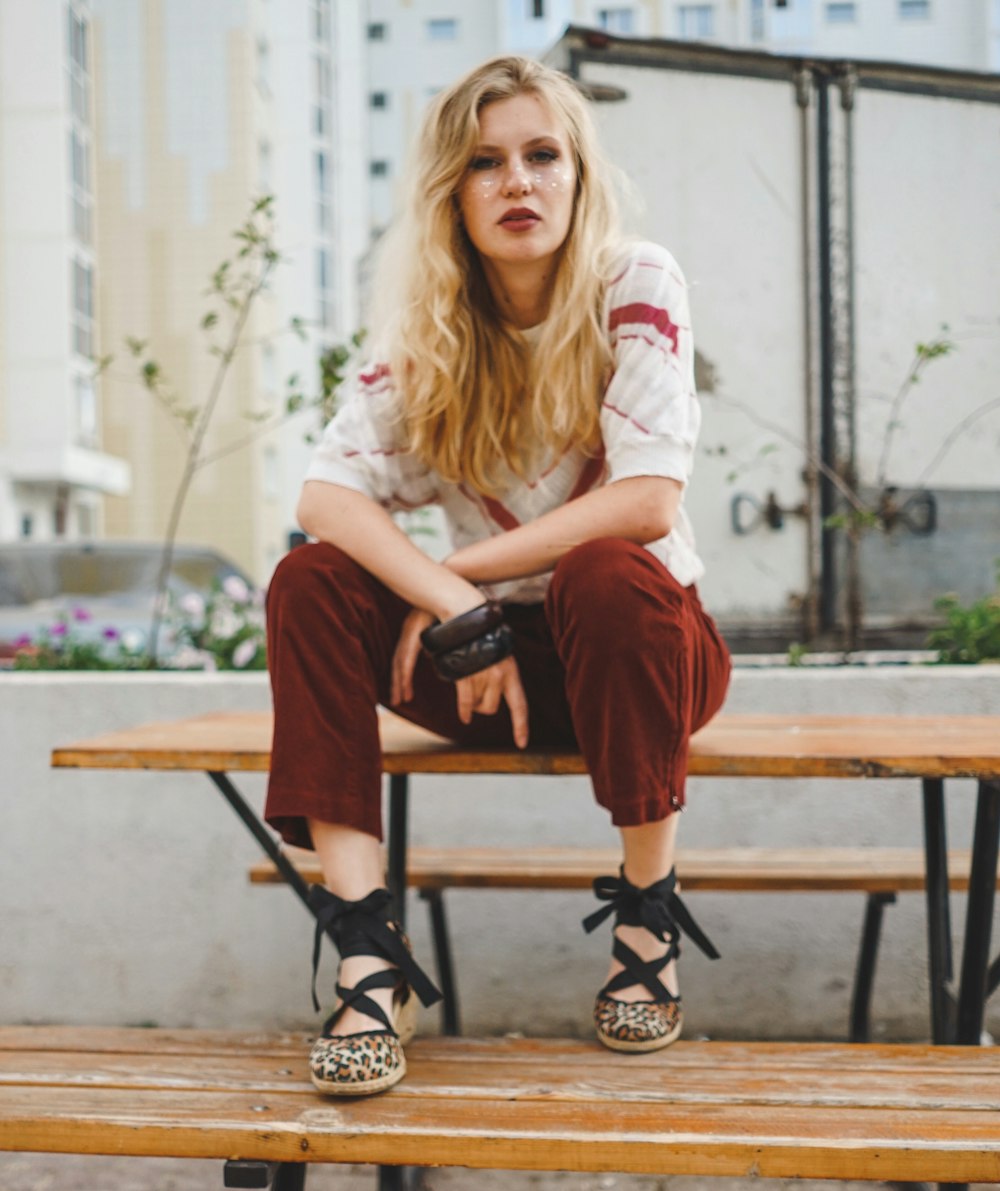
<point>734,745</point>
<point>761,870</point>
<point>770,1109</point>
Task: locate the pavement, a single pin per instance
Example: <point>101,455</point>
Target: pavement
<point>57,1172</point>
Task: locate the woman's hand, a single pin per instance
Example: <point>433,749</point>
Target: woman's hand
<point>404,660</point>
<point>482,693</point>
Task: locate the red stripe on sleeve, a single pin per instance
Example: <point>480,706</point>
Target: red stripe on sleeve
<point>646,315</point>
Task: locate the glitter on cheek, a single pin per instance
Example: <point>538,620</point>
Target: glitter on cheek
<point>555,176</point>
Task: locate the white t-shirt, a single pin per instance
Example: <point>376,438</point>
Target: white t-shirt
<point>649,422</point>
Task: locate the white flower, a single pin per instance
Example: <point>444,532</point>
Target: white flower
<point>133,640</point>
<point>192,604</point>
<point>225,623</point>
<point>244,653</point>
<point>236,588</point>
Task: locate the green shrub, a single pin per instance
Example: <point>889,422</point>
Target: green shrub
<point>969,634</point>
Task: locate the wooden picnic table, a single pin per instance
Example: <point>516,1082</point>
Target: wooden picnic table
<point>930,749</point>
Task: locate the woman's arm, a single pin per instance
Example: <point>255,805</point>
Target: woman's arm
<point>640,509</point>
<point>366,532</point>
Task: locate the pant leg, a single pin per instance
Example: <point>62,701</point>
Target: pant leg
<point>332,630</point>
<point>645,667</point>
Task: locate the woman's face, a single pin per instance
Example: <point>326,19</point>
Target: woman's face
<point>517,196</point>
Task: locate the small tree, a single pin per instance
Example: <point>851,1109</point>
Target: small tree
<point>233,291</point>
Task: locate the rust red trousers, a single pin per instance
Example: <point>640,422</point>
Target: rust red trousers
<point>620,659</point>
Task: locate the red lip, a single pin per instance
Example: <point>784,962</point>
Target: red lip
<point>518,213</point>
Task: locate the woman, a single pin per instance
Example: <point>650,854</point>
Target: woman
<point>534,375</point>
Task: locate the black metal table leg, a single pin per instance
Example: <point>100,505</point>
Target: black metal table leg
<point>261,835</point>
<point>979,916</point>
<point>399,798</point>
<point>864,973</point>
<point>450,1025</point>
<point>938,911</point>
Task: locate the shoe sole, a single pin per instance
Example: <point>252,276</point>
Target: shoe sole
<point>627,1047</point>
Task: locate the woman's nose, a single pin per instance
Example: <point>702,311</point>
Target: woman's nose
<point>516,179</point>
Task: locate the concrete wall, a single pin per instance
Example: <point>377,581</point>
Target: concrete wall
<point>123,897</point>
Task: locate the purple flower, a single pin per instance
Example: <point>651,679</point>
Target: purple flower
<point>59,630</point>
<point>110,634</point>
<point>81,615</point>
<point>23,641</point>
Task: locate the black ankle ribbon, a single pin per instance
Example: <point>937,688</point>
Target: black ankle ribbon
<point>657,907</point>
<point>362,928</point>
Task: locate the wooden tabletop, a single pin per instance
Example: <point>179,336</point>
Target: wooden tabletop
<point>736,745</point>
<point>708,1108</point>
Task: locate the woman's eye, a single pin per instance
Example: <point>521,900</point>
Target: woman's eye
<point>483,163</point>
<point>544,156</point>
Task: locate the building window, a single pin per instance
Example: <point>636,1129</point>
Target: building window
<point>80,194</point>
<point>79,59</point>
<point>264,167</point>
<point>83,308</point>
<point>696,20</point>
<point>324,89</point>
<point>536,10</point>
<point>757,20</point>
<point>442,29</point>
<point>323,191</point>
<point>85,400</point>
<point>616,20</point>
<point>379,99</point>
<point>264,68</point>
<point>379,31</point>
<point>324,287</point>
<point>86,521</point>
<point>914,10</point>
<point>841,12</point>
<point>27,525</point>
<point>379,168</point>
<point>321,20</point>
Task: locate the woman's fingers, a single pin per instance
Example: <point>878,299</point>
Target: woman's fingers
<point>404,659</point>
<point>482,693</point>
<point>517,704</point>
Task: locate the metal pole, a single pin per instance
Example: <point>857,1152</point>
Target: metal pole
<point>979,916</point>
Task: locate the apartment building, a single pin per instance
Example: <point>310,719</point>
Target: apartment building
<point>55,467</point>
<point>201,109</point>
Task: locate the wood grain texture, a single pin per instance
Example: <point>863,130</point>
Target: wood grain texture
<point>735,745</point>
<point>708,1108</point>
<point>730,870</point>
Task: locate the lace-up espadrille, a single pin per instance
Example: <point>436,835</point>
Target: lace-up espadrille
<point>371,1061</point>
<point>642,1025</point>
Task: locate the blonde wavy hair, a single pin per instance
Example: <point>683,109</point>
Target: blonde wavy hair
<point>478,405</point>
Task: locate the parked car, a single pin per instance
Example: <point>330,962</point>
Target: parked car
<point>99,585</point>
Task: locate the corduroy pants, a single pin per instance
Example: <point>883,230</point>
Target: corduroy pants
<point>620,660</point>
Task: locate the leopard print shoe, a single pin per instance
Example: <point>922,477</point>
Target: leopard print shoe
<point>639,1026</point>
<point>371,1061</point>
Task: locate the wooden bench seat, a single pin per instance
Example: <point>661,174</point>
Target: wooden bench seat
<point>730,870</point>
<point>773,1110</point>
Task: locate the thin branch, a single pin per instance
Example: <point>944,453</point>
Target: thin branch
<point>258,432</point>
<point>955,433</point>
<point>845,490</point>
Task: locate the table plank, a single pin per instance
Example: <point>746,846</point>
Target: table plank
<point>734,745</point>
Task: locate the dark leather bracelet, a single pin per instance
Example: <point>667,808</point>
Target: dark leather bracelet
<point>486,650</point>
<point>450,634</point>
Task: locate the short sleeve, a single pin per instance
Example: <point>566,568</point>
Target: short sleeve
<point>650,415</point>
<point>364,446</point>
